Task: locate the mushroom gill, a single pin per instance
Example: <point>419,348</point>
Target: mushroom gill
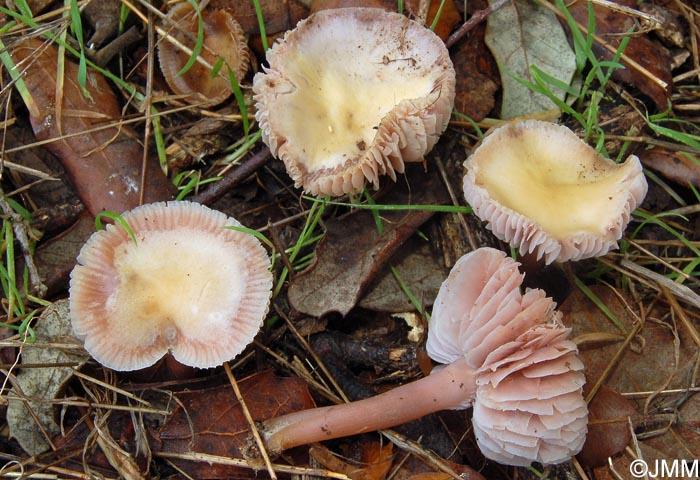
<point>351,94</point>
<point>544,190</point>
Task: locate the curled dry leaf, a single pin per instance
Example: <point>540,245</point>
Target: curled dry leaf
<point>101,156</point>
<point>676,166</point>
<point>374,465</point>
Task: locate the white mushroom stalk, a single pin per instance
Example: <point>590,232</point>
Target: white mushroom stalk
<point>507,354</point>
<point>545,191</point>
<point>352,94</point>
<point>188,285</point>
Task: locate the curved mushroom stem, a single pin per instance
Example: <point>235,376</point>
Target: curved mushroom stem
<point>451,387</point>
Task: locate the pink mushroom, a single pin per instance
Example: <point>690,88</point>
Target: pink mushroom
<point>506,354</point>
<point>188,285</point>
<point>545,191</point>
<point>351,94</point>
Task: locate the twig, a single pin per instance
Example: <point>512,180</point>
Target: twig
<point>237,462</point>
<point>20,229</point>
<point>467,231</point>
<point>476,18</point>
<point>249,418</point>
<point>233,178</point>
<point>626,58</point>
<point>680,313</point>
<point>658,281</point>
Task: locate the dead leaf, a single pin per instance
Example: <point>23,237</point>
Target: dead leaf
<point>654,57</point>
<point>211,421</point>
<point>352,253</point>
<point>477,77</point>
<point>376,460</point>
<point>449,16</point>
<point>278,16</point>
<point>56,258</point>
<point>522,34</point>
<point>663,358</point>
<point>421,271</point>
<point>102,158</point>
<point>680,167</point>
<point>608,427</point>
<point>41,385</point>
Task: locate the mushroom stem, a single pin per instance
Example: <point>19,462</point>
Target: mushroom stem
<point>450,387</point>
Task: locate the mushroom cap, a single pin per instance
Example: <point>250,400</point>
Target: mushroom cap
<point>529,404</point>
<point>543,190</point>
<point>188,285</point>
<point>223,38</point>
<point>351,94</point>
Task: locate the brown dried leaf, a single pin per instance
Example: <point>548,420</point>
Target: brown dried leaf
<point>449,16</point>
<point>679,167</point>
<point>102,159</point>
<point>353,253</point>
<point>375,464</point>
<point>211,421</point>
<point>278,16</point>
<point>608,427</point>
<point>477,77</point>
<point>654,57</point>
<point>660,357</point>
<point>418,267</point>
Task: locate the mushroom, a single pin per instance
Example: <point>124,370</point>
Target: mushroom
<point>351,94</point>
<point>545,191</point>
<point>223,38</point>
<point>188,285</point>
<point>506,353</point>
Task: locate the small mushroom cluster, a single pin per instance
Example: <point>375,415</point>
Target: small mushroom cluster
<point>351,94</point>
<point>187,285</point>
<point>548,193</point>
<point>506,354</point>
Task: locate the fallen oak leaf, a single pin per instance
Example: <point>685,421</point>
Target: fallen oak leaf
<point>101,156</point>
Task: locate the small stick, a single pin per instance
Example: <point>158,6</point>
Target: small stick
<point>249,418</point>
<point>233,178</point>
<point>18,225</point>
<point>476,18</point>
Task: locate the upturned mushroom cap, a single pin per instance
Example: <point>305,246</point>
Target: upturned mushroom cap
<point>188,285</point>
<point>543,190</point>
<point>351,94</point>
<point>223,38</point>
<point>529,404</point>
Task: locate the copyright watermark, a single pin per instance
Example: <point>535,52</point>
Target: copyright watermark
<point>665,469</point>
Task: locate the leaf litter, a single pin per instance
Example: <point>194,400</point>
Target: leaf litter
<point>642,378</point>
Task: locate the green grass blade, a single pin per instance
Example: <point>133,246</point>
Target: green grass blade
<point>117,219</point>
